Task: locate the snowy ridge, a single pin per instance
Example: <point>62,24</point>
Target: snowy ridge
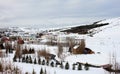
<point>112,23</point>
<point>106,41</point>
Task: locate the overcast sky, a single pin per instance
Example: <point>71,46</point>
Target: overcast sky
<point>57,11</point>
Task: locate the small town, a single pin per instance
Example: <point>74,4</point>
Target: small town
<point>59,37</point>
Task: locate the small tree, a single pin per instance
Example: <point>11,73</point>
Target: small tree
<point>1,67</point>
<point>39,61</point>
<point>7,67</point>
<point>60,50</point>
<point>86,66</point>
<point>33,72</point>
<point>33,51</point>
<point>43,62</point>
<point>23,59</point>
<point>56,64</point>
<point>45,72</point>
<point>26,72</point>
<point>67,66</point>
<point>52,64</point>
<point>47,62</point>
<point>27,59</point>
<point>16,70</point>
<point>61,66</point>
<point>41,71</point>
<point>30,50</point>
<point>14,59</point>
<point>79,66</point>
<point>19,59</point>
<point>73,67</point>
<point>35,62</point>
<point>30,59</point>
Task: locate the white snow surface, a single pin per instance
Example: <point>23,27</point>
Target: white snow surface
<point>106,41</point>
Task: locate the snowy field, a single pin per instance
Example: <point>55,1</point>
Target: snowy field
<point>106,41</point>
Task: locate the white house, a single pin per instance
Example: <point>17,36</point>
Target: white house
<point>66,37</point>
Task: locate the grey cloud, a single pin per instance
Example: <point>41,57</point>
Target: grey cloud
<point>22,10</point>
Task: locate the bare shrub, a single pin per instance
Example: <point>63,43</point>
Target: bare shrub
<point>8,67</point>
<point>70,42</point>
<point>18,52</point>
<point>43,53</point>
<point>60,50</point>
<point>114,67</point>
<point>115,64</point>
<point>51,41</point>
<point>2,54</point>
<point>1,67</point>
<point>82,46</point>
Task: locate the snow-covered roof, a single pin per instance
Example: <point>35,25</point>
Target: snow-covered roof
<point>76,46</point>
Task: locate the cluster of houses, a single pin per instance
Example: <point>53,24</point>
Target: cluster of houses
<point>14,39</point>
<point>11,35</point>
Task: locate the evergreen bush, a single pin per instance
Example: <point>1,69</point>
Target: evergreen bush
<point>39,61</point>
<point>43,62</point>
<point>79,66</point>
<point>52,64</point>
<point>67,66</point>
<point>86,67</point>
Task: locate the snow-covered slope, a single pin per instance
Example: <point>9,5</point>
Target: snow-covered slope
<point>111,34</point>
<point>112,28</point>
<point>105,40</point>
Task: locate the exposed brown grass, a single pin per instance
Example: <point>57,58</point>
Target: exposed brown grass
<point>43,53</point>
<point>60,50</point>
<point>82,45</point>
<point>2,54</point>
<point>8,67</point>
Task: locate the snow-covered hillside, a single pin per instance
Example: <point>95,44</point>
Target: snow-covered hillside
<point>110,34</point>
<point>112,28</point>
<point>105,40</point>
<point>105,43</point>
